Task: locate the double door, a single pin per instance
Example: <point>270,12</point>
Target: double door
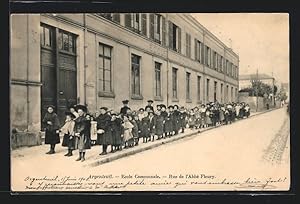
<point>58,70</point>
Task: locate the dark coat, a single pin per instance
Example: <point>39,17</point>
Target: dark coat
<point>116,131</point>
<point>103,122</point>
<point>139,125</point>
<point>145,127</point>
<point>182,119</point>
<point>159,125</point>
<point>176,120</point>
<point>51,137</point>
<point>168,126</point>
<point>83,127</point>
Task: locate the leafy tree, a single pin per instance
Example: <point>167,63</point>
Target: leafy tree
<point>258,88</point>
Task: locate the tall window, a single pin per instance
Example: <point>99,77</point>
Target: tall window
<point>232,99</point>
<point>157,27</point>
<point>227,67</point>
<point>157,79</point>
<point>236,94</point>
<point>198,51</point>
<point>227,93</point>
<point>214,60</point>
<point>174,82</point>
<point>133,21</point>
<point>215,91</point>
<point>207,56</point>
<point>188,45</point>
<point>188,88</point>
<point>104,65</point>
<point>221,63</point>
<point>174,37</point>
<point>222,97</point>
<point>198,88</point>
<point>46,36</point>
<point>207,90</point>
<point>135,75</point>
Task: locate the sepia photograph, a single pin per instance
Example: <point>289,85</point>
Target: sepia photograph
<point>103,102</point>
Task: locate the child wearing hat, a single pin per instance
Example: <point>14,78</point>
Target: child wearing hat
<point>51,124</point>
<point>127,132</point>
<point>104,133</point>
<point>149,106</point>
<point>159,125</point>
<point>145,127</point>
<point>116,131</point>
<point>67,130</point>
<point>168,124</point>
<point>82,131</point>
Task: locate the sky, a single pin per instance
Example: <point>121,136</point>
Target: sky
<point>260,39</point>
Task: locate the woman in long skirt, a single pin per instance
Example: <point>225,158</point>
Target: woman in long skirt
<point>51,124</point>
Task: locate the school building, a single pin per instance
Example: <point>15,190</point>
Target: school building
<point>101,59</point>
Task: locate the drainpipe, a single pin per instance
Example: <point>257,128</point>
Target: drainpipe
<point>27,71</point>
<point>167,28</point>
<point>84,58</point>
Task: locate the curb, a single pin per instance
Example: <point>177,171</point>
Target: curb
<point>172,139</point>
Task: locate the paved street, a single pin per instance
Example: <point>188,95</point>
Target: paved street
<point>255,148</point>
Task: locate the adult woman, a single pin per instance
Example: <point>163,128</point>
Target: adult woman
<point>51,124</point>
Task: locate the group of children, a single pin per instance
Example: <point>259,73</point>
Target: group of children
<point>124,129</point>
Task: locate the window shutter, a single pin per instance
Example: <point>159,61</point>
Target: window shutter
<point>196,49</point>
<point>151,25</point>
<point>116,17</point>
<point>179,40</point>
<point>163,20</point>
<point>128,20</point>
<point>144,24</point>
<point>170,35</point>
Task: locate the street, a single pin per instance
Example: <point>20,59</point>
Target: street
<point>252,149</point>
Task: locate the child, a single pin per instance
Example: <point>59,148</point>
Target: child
<point>168,122</point>
<point>139,125</point>
<point>116,131</point>
<point>145,128</point>
<point>51,123</point>
<point>67,130</point>
<point>159,125</point>
<point>127,133</point>
<point>135,131</point>
<point>151,125</point>
<point>192,119</point>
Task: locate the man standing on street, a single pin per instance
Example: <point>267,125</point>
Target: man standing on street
<point>125,107</point>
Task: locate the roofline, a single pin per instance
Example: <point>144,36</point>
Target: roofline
<point>190,17</point>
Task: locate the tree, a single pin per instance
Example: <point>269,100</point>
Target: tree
<point>258,88</point>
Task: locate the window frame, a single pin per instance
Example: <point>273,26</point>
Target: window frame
<point>134,67</point>
<point>157,84</point>
<point>174,85</point>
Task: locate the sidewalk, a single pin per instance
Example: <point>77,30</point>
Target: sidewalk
<point>94,159</point>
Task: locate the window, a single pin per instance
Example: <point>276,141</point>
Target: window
<point>133,21</point>
<point>214,60</point>
<point>221,63</point>
<point>236,94</point>
<point>111,16</point>
<point>188,92</point>
<point>174,83</point>
<point>198,88</point>
<point>222,97</point>
<point>188,45</point>
<point>104,66</point>
<point>46,36</point>
<point>227,93</point>
<point>227,67</point>
<point>207,56</point>
<point>207,90</point>
<point>66,41</point>
<point>232,99</point>
<point>215,91</point>
<point>198,51</point>
<point>157,79</point>
<point>174,37</point>
<point>135,75</point>
<point>157,27</point>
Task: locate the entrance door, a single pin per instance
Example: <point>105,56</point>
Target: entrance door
<point>48,68</point>
<point>67,86</point>
<point>58,65</point>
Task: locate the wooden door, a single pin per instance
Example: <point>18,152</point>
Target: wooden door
<point>48,68</point>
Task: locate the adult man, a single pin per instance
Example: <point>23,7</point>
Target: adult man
<point>125,107</point>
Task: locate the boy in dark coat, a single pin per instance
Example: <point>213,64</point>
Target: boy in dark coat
<point>152,125</point>
<point>145,128</point>
<point>149,106</point>
<point>125,107</point>
<point>182,119</point>
<point>104,136</point>
<point>51,124</point>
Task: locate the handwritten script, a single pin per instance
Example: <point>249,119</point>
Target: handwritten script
<point>123,182</point>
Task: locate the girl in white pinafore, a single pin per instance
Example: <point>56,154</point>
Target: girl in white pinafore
<point>127,127</point>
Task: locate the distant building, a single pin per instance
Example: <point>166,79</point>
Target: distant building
<point>245,80</point>
<point>101,59</point>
